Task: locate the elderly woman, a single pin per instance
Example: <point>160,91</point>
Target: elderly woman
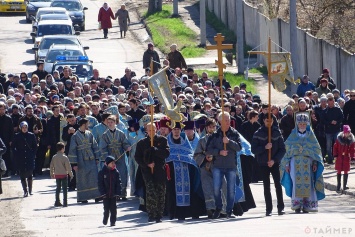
<point>104,18</point>
<point>302,166</point>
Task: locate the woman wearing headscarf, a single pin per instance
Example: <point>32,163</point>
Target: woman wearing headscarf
<point>24,148</point>
<point>302,166</point>
<point>105,15</point>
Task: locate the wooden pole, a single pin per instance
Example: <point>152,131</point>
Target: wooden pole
<point>222,105</point>
<point>269,87</point>
<point>151,112</point>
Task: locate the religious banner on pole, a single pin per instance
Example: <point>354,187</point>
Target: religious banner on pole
<point>160,87</point>
<point>281,70</point>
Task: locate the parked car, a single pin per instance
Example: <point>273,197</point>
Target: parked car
<point>33,6</point>
<point>13,6</point>
<point>49,40</point>
<point>75,9</point>
<point>53,28</point>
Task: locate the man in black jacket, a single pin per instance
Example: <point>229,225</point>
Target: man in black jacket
<point>135,112</point>
<point>151,160</point>
<point>40,72</point>
<point>109,184</point>
<point>333,119</point>
<point>151,53</point>
<point>6,135</point>
<point>53,130</point>
<point>68,132</point>
<point>260,147</point>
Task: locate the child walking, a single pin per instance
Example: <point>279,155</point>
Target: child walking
<point>109,183</point>
<point>343,151</point>
<point>60,168</point>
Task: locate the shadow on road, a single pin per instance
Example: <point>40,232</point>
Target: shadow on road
<point>28,41</point>
<point>10,198</point>
<point>29,62</point>
<point>23,21</point>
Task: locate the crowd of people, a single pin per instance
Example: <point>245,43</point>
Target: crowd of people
<point>100,134</point>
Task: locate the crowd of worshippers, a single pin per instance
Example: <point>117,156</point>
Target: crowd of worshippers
<point>188,170</point>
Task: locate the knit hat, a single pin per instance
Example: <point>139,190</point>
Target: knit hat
<point>346,129</point>
<point>109,159</point>
<point>23,123</point>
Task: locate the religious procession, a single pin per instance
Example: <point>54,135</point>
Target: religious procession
<point>185,145</point>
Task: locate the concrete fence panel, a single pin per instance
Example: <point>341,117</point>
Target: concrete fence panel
<point>224,11</point>
<point>232,16</point>
<point>347,62</point>
<point>210,5</point>
<point>251,26</point>
<point>217,9</point>
<point>330,59</point>
<point>302,52</point>
<point>314,57</point>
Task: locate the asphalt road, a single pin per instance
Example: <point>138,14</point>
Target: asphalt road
<point>40,218</point>
<point>111,56</point>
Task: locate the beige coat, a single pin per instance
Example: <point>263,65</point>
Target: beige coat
<point>60,165</point>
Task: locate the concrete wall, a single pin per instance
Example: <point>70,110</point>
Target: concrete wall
<point>314,54</point>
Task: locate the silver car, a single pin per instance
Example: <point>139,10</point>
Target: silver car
<point>65,50</point>
<point>49,40</point>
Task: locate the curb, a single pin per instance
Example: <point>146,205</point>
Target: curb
<point>332,187</point>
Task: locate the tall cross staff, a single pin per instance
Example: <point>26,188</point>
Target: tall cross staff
<point>268,54</point>
<point>219,39</point>
<point>151,112</point>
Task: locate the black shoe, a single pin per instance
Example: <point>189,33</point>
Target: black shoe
<point>104,222</point>
<point>123,199</point>
<point>209,214</point>
<point>268,213</point>
<point>71,189</point>
<point>113,224</point>
<point>229,215</point>
<point>281,212</point>
<point>25,194</point>
<point>58,204</point>
<point>157,220</point>
<point>97,200</point>
<point>151,219</point>
<point>216,214</point>
<point>181,219</point>
<point>304,211</point>
<point>65,204</point>
<point>222,215</point>
<point>298,211</point>
<point>86,201</point>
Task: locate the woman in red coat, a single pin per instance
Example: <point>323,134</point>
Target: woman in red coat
<point>343,151</point>
<point>105,15</point>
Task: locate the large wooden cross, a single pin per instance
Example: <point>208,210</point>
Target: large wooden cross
<point>219,39</point>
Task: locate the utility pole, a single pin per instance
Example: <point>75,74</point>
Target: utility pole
<point>293,38</point>
<point>240,36</point>
<point>175,8</point>
<point>203,22</point>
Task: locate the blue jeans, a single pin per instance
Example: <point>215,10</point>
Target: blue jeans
<point>218,176</point>
<point>330,139</point>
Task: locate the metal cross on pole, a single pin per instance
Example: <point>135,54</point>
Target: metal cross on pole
<point>220,47</point>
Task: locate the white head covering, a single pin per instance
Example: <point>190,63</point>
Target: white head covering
<point>106,5</point>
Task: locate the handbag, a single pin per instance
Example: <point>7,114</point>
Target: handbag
<point>2,167</point>
<point>99,26</point>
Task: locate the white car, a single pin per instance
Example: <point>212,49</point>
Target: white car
<point>44,11</point>
<point>68,51</point>
<point>49,40</point>
<point>53,27</point>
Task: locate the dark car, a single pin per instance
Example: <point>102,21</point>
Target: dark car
<point>75,9</point>
<point>33,6</point>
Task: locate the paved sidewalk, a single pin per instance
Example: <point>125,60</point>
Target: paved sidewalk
<point>330,179</point>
